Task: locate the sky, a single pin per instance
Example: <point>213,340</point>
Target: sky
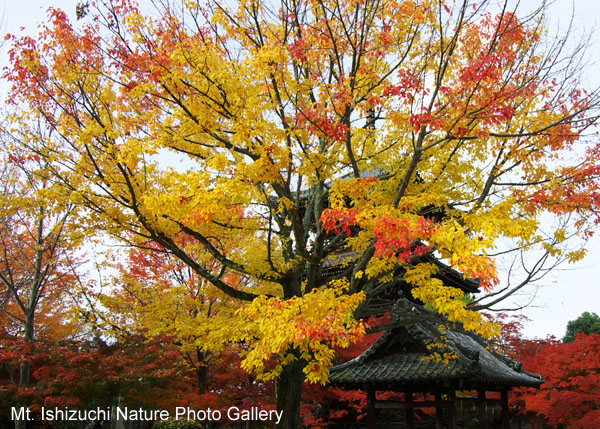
<point>563,295</point>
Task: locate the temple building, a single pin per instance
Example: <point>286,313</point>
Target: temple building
<point>422,353</point>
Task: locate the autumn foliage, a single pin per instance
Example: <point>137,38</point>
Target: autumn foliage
<point>312,133</point>
<point>570,395</point>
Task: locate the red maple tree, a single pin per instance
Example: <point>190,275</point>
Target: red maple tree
<point>570,395</point>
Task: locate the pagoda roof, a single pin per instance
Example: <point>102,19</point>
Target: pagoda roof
<point>451,277</point>
<point>411,357</point>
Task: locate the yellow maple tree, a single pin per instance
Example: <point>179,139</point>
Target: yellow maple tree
<point>361,134</point>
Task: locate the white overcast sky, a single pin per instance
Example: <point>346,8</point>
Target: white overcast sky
<point>565,294</point>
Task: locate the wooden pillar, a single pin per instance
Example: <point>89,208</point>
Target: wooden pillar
<point>481,402</point>
<point>452,418</point>
<point>439,416</point>
<point>505,412</point>
<point>371,412</point>
<point>409,412</point>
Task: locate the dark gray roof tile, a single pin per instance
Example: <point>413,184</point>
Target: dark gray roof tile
<point>475,363</point>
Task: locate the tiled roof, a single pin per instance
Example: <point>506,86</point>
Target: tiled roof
<point>405,368</point>
<point>400,357</point>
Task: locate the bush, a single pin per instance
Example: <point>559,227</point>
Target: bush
<point>177,424</point>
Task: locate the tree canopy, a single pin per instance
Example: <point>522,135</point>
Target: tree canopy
<point>361,134</point>
<point>588,323</point>
<point>569,396</point>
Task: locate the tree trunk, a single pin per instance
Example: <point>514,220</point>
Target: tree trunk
<point>24,374</point>
<point>24,378</point>
<point>201,371</point>
<point>25,367</point>
<point>289,394</point>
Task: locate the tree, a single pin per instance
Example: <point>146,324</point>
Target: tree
<point>571,390</point>
<point>588,323</point>
<point>569,395</point>
<point>155,295</point>
<point>314,132</point>
<point>85,374</point>
<point>36,259</point>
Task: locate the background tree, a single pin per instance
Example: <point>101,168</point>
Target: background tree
<point>569,395</point>
<point>36,259</point>
<point>85,374</point>
<point>156,296</point>
<point>362,134</point>
<point>588,323</point>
